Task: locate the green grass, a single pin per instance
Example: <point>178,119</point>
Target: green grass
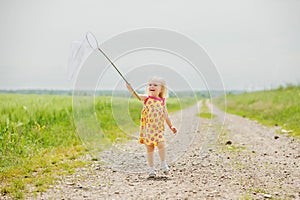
<point>30,123</point>
<point>234,148</point>
<point>275,107</point>
<point>40,171</point>
<point>175,104</point>
<point>32,130</point>
<point>39,135</point>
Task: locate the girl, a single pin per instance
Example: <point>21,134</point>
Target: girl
<point>154,114</point>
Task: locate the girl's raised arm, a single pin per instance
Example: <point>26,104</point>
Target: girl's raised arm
<point>133,93</point>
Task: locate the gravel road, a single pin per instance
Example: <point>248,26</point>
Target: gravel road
<point>235,158</point>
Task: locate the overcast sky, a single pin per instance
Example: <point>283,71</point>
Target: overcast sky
<point>254,44</point>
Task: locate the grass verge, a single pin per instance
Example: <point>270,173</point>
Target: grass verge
<point>279,107</point>
<point>35,175</point>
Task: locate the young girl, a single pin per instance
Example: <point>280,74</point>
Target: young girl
<point>153,116</point>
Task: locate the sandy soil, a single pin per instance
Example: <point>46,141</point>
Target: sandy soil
<point>244,160</point>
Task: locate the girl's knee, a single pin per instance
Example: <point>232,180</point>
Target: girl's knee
<point>150,148</point>
<point>161,145</point>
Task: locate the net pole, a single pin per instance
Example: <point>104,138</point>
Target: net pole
<point>134,92</point>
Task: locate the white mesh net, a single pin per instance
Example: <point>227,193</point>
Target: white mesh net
<point>80,51</point>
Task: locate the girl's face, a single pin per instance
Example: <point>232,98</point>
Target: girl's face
<point>154,88</point>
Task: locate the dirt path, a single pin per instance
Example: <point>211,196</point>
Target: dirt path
<point>255,165</point>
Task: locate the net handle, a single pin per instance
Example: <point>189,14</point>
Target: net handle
<point>89,37</point>
<point>98,48</point>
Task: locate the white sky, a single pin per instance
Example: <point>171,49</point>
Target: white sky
<point>255,44</point>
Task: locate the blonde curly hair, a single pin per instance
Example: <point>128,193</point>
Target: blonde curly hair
<point>162,83</point>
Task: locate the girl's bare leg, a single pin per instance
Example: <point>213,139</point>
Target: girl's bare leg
<point>162,155</point>
<point>150,155</point>
<point>162,151</point>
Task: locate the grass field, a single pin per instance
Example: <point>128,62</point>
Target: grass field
<point>39,137</point>
<point>279,107</point>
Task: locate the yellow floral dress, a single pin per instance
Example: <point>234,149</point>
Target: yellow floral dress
<point>152,121</point>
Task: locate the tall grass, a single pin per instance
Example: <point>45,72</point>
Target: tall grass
<point>179,103</point>
<point>275,107</point>
<point>29,123</point>
<point>32,130</point>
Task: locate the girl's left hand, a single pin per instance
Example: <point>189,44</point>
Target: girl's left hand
<point>174,129</point>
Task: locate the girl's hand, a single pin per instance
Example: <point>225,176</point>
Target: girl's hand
<point>174,129</point>
<point>133,93</point>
